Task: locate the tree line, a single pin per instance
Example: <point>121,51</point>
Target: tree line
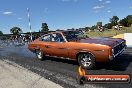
<point>1,33</point>
<point>17,30</point>
<point>126,22</point>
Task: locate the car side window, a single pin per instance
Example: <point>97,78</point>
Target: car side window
<point>56,37</point>
<point>46,38</point>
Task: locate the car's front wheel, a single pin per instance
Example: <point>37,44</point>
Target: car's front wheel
<point>86,60</point>
<point>39,54</point>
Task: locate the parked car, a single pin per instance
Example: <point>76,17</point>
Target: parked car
<point>74,45</point>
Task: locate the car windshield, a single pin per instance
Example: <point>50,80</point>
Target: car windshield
<point>74,35</point>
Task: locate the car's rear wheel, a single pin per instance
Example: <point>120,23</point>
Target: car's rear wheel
<point>86,60</point>
<point>39,54</point>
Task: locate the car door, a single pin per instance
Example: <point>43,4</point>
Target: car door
<point>46,44</point>
<point>58,45</point>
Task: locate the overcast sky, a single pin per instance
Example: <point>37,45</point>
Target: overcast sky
<point>60,14</point>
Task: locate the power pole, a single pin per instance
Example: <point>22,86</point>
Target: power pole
<point>29,24</point>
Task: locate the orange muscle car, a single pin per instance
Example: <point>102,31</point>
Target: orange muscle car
<point>75,45</point>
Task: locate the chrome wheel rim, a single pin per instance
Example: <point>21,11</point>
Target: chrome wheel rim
<point>39,54</point>
<point>86,60</point>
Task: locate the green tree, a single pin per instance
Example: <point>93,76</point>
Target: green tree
<point>109,26</point>
<point>114,20</point>
<point>16,30</point>
<point>44,27</point>
<point>129,20</point>
<point>124,22</point>
<point>1,33</point>
<point>93,27</point>
<point>87,28</point>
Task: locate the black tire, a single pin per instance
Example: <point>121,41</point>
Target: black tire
<point>40,54</point>
<point>86,60</point>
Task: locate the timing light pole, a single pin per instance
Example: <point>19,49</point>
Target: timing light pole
<point>29,24</point>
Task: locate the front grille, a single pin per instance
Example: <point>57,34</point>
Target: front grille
<point>119,48</point>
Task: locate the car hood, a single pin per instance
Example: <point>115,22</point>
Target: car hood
<point>103,41</point>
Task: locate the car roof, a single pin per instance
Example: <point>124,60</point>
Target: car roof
<point>60,31</point>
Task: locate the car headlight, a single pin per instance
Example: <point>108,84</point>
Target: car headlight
<point>112,51</point>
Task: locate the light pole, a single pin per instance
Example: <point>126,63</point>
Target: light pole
<point>29,24</point>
